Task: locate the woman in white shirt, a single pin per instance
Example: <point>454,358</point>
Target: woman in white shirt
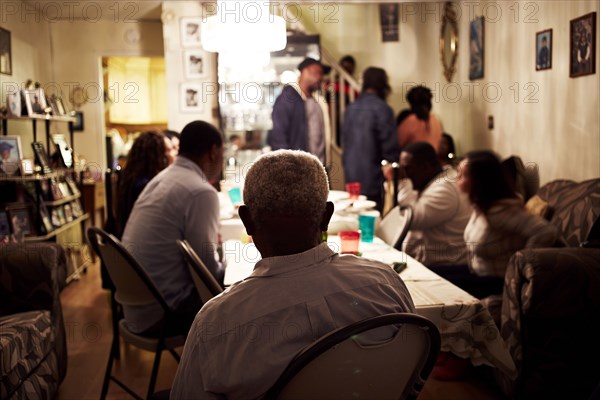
<point>499,225</point>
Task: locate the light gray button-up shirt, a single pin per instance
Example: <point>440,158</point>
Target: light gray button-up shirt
<point>179,203</point>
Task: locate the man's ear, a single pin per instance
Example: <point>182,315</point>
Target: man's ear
<point>326,216</point>
<point>244,213</point>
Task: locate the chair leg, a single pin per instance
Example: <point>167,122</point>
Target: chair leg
<point>108,372</point>
<point>159,350</point>
<point>175,355</point>
<point>114,306</point>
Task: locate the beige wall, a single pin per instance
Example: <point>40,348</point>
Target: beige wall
<point>559,131</point>
<point>173,11</point>
<point>64,53</point>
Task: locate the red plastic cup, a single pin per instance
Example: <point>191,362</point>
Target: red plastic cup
<point>353,189</point>
<point>349,241</point>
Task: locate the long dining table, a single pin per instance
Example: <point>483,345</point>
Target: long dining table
<point>467,329</point>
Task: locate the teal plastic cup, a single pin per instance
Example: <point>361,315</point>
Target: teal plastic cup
<point>235,195</point>
<point>366,224</point>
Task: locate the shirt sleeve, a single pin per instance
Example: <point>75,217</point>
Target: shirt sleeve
<point>189,382</point>
<point>202,229</point>
<point>278,138</point>
<point>537,231</point>
<point>390,150</point>
<point>436,205</point>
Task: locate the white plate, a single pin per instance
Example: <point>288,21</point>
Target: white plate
<point>362,205</point>
<point>337,195</point>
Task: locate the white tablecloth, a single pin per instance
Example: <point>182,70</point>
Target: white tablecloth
<point>466,326</point>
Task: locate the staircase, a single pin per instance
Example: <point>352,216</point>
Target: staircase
<point>341,89</point>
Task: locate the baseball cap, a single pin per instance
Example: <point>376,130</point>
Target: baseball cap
<point>310,61</point>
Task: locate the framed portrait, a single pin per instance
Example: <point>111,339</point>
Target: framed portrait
<point>55,190</point>
<point>76,207</point>
<point>35,101</point>
<point>190,31</point>
<point>4,227</point>
<point>476,48</point>
<point>41,157</point>
<point>63,149</point>
<point>583,46</point>
<point>19,218</point>
<point>61,215</point>
<point>72,185</point>
<point>194,64</point>
<point>543,50</point>
<point>388,19</point>
<point>11,154</point>
<point>5,52</point>
<point>191,97</point>
<point>58,106</point>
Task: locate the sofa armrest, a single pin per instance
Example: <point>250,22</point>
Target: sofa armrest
<point>31,277</point>
<point>550,306</point>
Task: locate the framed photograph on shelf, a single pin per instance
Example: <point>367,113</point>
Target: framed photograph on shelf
<point>55,190</point>
<point>190,97</point>
<point>583,46</point>
<point>61,215</point>
<point>476,48</point>
<point>13,103</point>
<point>543,50</point>
<point>45,217</point>
<point>41,157</point>
<point>4,227</point>
<point>68,213</point>
<point>72,185</point>
<point>11,154</point>
<point>54,218</point>
<point>58,107</point>
<point>35,101</point>
<point>190,31</point>
<point>19,218</point>
<point>5,52</point>
<point>194,64</point>
<point>27,167</point>
<point>63,149</point>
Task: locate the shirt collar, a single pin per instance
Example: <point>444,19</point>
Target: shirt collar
<point>285,264</point>
<point>186,163</point>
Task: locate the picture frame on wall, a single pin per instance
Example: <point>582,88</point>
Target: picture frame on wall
<point>5,52</point>
<point>543,50</point>
<point>194,64</point>
<point>11,154</point>
<point>19,218</point>
<point>35,102</point>
<point>582,45</point>
<point>476,48</point>
<point>190,97</point>
<point>388,19</point>
<point>78,124</point>
<point>190,31</point>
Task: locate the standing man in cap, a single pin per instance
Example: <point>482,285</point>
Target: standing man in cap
<point>300,117</point>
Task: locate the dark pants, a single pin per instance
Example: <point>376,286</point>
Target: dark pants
<point>478,286</point>
<point>182,318</point>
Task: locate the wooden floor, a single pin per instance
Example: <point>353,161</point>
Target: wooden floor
<point>89,334</point>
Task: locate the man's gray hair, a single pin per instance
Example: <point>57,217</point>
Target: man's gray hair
<point>287,182</point>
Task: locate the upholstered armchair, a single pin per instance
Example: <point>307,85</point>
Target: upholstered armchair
<point>32,331</point>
